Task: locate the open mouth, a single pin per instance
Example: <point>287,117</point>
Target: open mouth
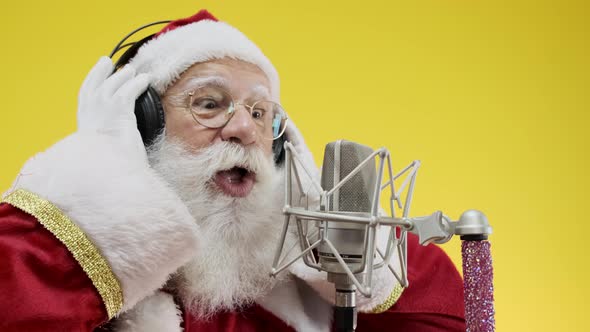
<point>236,181</point>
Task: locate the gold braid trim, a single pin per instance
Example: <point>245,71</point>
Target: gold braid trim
<point>390,301</point>
<point>83,250</point>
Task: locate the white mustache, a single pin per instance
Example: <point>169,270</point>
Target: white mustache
<point>216,157</point>
<point>226,155</point>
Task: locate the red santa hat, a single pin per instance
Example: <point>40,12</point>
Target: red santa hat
<point>195,39</point>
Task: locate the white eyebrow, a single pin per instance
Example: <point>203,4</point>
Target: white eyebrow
<point>219,81</point>
<point>261,91</point>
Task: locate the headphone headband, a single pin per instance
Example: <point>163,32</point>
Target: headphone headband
<point>149,110</point>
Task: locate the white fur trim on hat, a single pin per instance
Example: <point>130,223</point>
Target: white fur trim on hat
<point>167,56</point>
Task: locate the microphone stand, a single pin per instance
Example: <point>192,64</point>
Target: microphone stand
<point>478,274</point>
<point>345,312</point>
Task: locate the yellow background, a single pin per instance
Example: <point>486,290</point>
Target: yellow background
<point>491,96</point>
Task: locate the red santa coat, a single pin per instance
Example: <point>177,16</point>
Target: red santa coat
<point>89,235</point>
<point>45,289</point>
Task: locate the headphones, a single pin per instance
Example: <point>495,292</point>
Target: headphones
<point>149,111</point>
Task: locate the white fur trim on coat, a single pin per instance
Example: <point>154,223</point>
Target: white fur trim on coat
<point>166,57</point>
<point>156,313</point>
<point>140,226</point>
<point>292,301</point>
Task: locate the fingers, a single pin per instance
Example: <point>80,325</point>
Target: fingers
<point>101,70</point>
<point>134,87</point>
<point>117,80</point>
<point>293,134</point>
<point>122,83</point>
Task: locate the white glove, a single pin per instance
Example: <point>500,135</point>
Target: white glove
<point>106,105</point>
<point>296,138</point>
<point>100,178</point>
<point>306,158</point>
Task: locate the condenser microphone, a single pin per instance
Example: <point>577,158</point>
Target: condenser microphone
<point>352,196</point>
<point>340,237</point>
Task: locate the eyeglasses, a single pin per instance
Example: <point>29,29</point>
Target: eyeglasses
<point>213,107</point>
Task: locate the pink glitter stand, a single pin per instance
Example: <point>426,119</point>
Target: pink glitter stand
<point>478,278</point>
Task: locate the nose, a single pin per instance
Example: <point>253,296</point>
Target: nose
<point>241,128</point>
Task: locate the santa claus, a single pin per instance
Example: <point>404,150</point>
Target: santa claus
<point>100,233</point>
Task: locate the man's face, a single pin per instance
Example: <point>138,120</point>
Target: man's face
<point>227,179</point>
<point>244,83</point>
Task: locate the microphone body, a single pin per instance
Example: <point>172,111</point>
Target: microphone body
<point>353,198</point>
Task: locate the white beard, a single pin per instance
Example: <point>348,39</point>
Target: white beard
<point>239,234</point>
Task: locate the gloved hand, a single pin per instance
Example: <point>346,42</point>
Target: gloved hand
<point>106,105</point>
<point>296,138</point>
<point>306,160</point>
<point>99,177</point>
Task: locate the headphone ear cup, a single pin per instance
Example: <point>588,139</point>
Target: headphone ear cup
<point>149,113</point>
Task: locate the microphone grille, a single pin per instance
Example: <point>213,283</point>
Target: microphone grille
<point>340,159</point>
